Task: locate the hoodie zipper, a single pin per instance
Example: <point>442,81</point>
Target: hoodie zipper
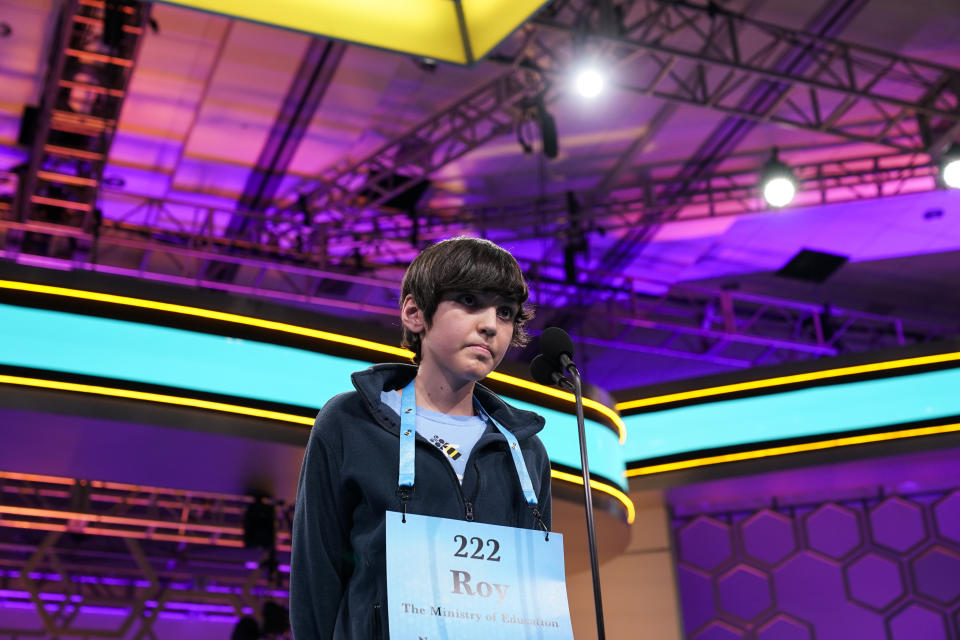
<point>467,504</point>
<point>377,630</point>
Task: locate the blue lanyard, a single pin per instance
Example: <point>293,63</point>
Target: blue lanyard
<point>408,432</point>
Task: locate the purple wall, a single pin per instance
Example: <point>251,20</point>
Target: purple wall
<point>867,569</point>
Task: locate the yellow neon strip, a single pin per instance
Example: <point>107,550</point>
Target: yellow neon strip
<point>599,486</point>
<point>205,313</point>
<point>793,448</point>
<point>155,397</point>
<point>792,379</point>
<point>565,395</point>
<point>260,413</point>
<point>297,330</point>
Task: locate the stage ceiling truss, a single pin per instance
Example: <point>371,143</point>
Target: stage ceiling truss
<point>331,245</point>
<point>688,54</point>
<point>725,327</point>
<point>829,21</point>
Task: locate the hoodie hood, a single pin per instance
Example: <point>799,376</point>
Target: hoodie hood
<point>369,383</point>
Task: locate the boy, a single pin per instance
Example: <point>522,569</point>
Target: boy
<point>462,306</point>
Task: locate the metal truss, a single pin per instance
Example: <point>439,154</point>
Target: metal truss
<point>829,21</point>
<point>719,194</point>
<point>310,84</point>
<point>854,92</point>
<point>484,114</point>
<point>683,53</point>
<point>742,330</point>
<point>70,546</point>
<point>625,314</point>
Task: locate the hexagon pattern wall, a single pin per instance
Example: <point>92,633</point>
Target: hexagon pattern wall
<point>863,569</point>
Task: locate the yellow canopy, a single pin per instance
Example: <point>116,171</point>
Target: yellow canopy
<point>458,31</point>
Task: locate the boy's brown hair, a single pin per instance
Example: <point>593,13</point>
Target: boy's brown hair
<point>464,264</point>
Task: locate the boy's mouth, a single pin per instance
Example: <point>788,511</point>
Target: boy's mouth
<point>482,347</point>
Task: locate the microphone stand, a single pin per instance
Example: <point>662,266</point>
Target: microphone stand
<point>587,496</point>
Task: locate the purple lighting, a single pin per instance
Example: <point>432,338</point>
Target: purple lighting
<point>172,615</point>
<point>105,611</point>
<point>50,597</point>
<point>193,606</point>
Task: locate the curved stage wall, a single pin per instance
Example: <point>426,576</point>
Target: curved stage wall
<point>85,336</point>
<point>98,373</point>
<point>136,419</point>
<point>884,397</point>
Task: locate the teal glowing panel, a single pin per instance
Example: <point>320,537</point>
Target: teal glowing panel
<point>561,440</point>
<point>815,411</point>
<point>152,354</point>
<point>121,350</point>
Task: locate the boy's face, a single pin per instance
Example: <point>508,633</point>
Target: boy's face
<point>468,336</point>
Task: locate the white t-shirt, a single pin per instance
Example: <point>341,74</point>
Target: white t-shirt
<point>455,436</point>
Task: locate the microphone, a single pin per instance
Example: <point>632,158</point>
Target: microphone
<point>544,372</point>
<point>558,348</point>
<point>548,368</point>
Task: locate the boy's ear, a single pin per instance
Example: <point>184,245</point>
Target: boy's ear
<point>412,316</point>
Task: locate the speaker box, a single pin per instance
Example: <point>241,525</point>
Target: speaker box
<point>260,525</point>
<point>812,266</point>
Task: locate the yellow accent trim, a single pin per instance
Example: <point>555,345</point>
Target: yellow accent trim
<point>793,448</point>
<point>155,397</point>
<point>792,379</point>
<point>259,413</point>
<point>297,330</point>
<point>564,395</point>
<point>205,313</point>
<point>599,486</point>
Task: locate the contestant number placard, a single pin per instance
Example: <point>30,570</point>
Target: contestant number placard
<point>450,579</point>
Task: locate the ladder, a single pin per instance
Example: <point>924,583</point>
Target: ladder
<point>89,69</point>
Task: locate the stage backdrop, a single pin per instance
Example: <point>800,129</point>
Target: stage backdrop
<point>870,568</point>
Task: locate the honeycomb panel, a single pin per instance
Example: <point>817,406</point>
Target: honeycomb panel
<point>936,575</point>
<point>744,592</point>
<point>833,530</point>
<point>705,543</point>
<point>947,515</point>
<point>874,581</point>
<point>880,568</point>
<point>768,536</point>
<point>897,524</point>
<point>917,621</point>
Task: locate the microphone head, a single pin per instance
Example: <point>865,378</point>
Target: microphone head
<point>542,371</point>
<point>554,342</point>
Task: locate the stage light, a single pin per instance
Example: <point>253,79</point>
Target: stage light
<point>778,183</point>
<point>590,82</point>
<point>950,167</point>
<point>779,192</point>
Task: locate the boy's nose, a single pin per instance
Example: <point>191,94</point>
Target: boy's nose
<point>488,320</point>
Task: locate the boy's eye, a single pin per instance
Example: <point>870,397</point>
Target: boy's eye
<point>506,313</point>
<point>467,299</point>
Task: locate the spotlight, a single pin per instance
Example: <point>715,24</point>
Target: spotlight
<point>589,82</point>
<point>950,167</point>
<point>778,183</point>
